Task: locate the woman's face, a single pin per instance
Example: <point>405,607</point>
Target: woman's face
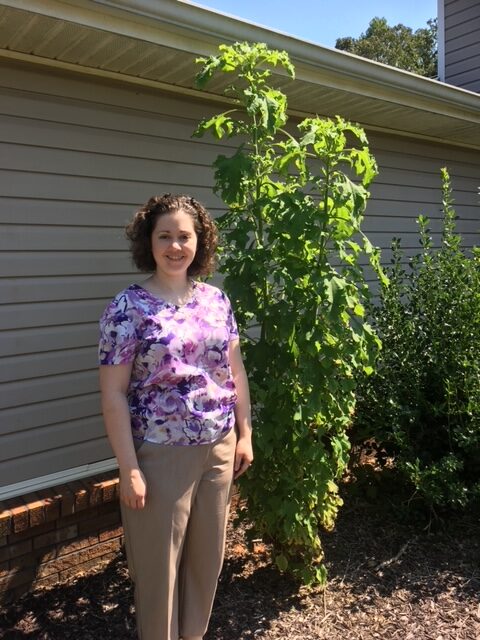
<point>174,244</point>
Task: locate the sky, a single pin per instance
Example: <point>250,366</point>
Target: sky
<point>323,21</point>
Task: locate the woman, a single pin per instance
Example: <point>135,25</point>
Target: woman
<point>176,407</point>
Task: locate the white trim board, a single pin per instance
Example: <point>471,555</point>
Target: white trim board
<point>60,477</point>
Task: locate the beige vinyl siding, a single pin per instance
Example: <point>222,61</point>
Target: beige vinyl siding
<point>462,43</point>
<point>76,158</point>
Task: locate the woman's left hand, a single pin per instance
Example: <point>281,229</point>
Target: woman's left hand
<point>243,456</point>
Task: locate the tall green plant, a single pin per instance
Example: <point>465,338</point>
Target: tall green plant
<point>423,403</point>
<point>291,266</point>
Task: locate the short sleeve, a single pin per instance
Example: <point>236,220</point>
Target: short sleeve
<point>118,334</point>
<point>231,322</point>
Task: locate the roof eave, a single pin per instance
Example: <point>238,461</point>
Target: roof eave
<point>191,29</point>
<point>219,26</point>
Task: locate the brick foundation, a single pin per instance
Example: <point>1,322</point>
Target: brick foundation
<point>52,535</point>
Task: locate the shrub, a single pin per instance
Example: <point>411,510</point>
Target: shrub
<point>423,403</point>
<point>291,270</point>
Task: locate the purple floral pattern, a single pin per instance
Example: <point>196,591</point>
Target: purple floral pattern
<point>181,389</point>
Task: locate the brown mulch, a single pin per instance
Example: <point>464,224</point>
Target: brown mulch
<point>390,577</point>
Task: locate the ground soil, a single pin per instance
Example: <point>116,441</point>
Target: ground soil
<point>393,574</point>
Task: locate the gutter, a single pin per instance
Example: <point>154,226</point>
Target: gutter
<point>219,26</point>
<point>189,27</point>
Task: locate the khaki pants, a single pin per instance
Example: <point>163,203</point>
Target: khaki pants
<point>175,545</point>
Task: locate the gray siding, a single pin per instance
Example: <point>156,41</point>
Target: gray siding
<point>409,184</point>
<point>77,157</point>
<point>462,43</point>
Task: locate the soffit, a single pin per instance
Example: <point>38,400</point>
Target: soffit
<point>99,37</point>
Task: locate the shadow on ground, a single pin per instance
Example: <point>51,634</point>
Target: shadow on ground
<point>100,605</point>
<point>375,548</point>
<point>372,557</point>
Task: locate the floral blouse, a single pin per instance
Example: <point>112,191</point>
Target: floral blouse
<point>181,390</point>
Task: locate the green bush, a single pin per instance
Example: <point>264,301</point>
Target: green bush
<point>292,271</point>
<point>423,402</point>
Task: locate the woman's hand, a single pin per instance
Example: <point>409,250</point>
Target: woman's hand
<point>243,417</point>
<point>243,456</point>
<point>133,489</point>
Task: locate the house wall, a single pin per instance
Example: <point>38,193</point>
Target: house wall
<point>77,157</point>
<point>461,48</point>
<point>76,160</point>
<point>409,185</point>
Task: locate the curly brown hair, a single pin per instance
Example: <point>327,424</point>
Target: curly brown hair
<point>139,232</point>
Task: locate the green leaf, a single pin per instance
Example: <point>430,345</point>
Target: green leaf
<point>220,126</point>
<point>364,164</point>
<point>232,176</point>
<point>281,562</point>
<point>210,65</point>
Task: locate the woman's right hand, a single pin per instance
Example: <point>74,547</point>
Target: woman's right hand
<point>133,489</point>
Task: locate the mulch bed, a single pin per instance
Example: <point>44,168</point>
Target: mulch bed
<point>390,577</point>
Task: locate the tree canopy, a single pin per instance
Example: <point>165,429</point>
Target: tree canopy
<point>398,46</point>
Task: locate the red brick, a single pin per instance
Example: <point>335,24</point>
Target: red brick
<point>95,494</point>
<point>111,532</point>
<point>109,488</point>
<point>75,518</point>
<point>17,578</point>
<point>81,495</point>
<point>46,554</point>
<point>78,557</point>
<point>31,533</point>
<point>14,550</point>
<point>47,569</point>
<point>97,518</point>
<point>76,545</point>
<point>48,543</point>
<point>5,520</point>
<point>36,509</point>
<point>19,513</point>
<point>34,557</point>
<point>54,537</point>
<point>94,563</point>
<point>52,501</point>
<point>100,522</point>
<point>27,561</point>
<point>50,581</point>
<point>100,549</point>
